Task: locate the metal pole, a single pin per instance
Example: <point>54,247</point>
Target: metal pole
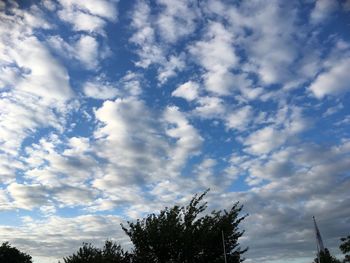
<point>318,255</point>
<point>223,244</point>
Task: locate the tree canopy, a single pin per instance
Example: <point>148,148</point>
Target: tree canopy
<point>345,248</point>
<point>11,254</point>
<point>184,235</point>
<point>111,253</point>
<point>326,257</point>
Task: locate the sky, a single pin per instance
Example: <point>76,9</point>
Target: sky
<point>110,110</point>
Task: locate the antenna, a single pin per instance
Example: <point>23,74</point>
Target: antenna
<point>319,242</point>
<point>223,244</point>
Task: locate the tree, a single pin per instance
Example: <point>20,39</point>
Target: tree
<point>345,248</point>
<point>10,254</point>
<point>181,235</point>
<point>111,253</point>
<point>326,257</point>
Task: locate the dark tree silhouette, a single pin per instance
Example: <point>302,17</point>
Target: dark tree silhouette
<point>345,248</point>
<point>326,257</point>
<point>181,235</point>
<point>111,253</point>
<point>11,254</point>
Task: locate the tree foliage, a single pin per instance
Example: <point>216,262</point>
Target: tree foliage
<point>345,248</point>
<point>182,235</point>
<point>111,253</point>
<point>11,254</point>
<point>326,257</point>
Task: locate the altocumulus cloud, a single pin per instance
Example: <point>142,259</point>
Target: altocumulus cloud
<point>116,109</point>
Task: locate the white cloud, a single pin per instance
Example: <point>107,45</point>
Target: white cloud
<point>56,237</point>
<point>188,91</point>
<point>22,115</point>
<point>177,19</point>
<point>145,146</point>
<point>53,167</point>
<point>270,46</point>
<point>28,196</point>
<point>170,67</point>
<point>322,9</point>
<point>49,82</point>
<point>144,37</point>
<point>130,141</point>
<point>210,107</point>
<point>149,50</point>
<point>85,16</point>
<point>87,51</point>
<point>72,196</point>
<point>265,140</point>
<point>240,118</point>
<point>100,91</point>
<point>101,8</point>
<point>188,140</point>
<point>334,81</point>
<point>287,123</point>
<point>216,54</point>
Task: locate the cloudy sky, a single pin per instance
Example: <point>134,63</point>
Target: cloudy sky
<point>110,110</point>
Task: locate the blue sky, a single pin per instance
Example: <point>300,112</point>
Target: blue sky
<point>114,109</point>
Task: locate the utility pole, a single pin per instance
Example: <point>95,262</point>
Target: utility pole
<point>223,244</point>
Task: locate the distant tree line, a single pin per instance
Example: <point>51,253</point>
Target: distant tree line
<point>176,235</point>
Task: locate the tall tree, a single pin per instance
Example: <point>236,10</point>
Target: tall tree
<point>181,235</point>
<point>11,254</point>
<point>345,248</point>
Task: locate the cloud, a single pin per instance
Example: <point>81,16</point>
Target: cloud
<point>188,91</point>
<point>68,195</point>
<point>129,129</point>
<point>188,140</point>
<point>51,83</point>
<point>210,107</point>
<point>56,237</point>
<point>240,118</point>
<point>216,54</point>
<point>28,196</point>
<point>101,8</point>
<point>37,88</point>
<point>145,38</point>
<point>20,120</point>
<point>333,81</point>
<point>52,167</point>
<point>170,67</point>
<point>100,91</point>
<point>87,17</point>
<point>287,124</point>
<point>322,9</point>
<point>84,48</point>
<point>177,20</point>
<point>87,51</point>
<point>300,181</point>
<point>129,141</point>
